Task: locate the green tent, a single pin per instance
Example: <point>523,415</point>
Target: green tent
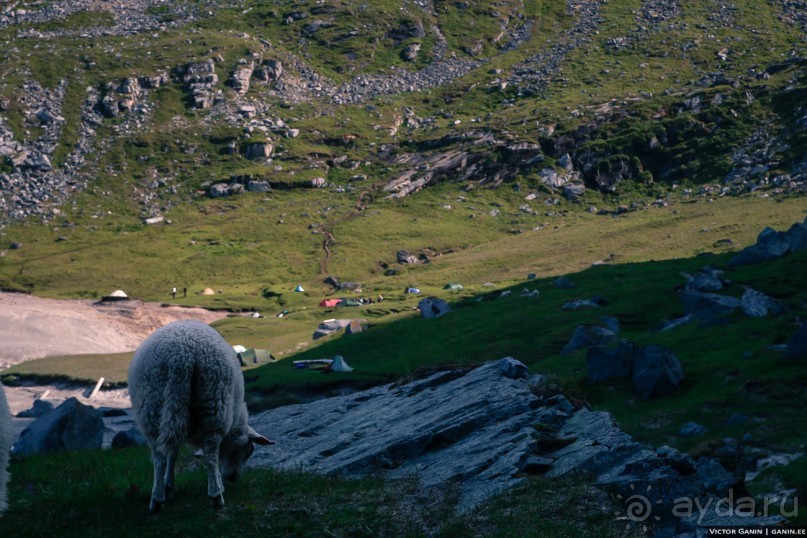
<point>255,356</point>
<point>453,286</point>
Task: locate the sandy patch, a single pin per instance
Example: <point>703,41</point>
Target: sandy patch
<point>32,327</point>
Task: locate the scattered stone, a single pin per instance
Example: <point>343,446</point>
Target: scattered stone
<point>410,52</point>
<point>405,257</point>
<point>512,368</point>
<point>578,303</point>
<point>708,307</point>
<point>39,408</point>
<point>756,304</point>
<point>256,151</point>
<point>432,307</point>
<point>736,419</point>
<point>691,429</point>
<point>586,336</point>
<point>563,283</point>
<point>706,280</point>
<point>127,438</point>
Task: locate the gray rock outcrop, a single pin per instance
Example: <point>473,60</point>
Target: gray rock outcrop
<point>242,73</point>
<point>200,80</point>
<point>71,426</point>
<point>476,431</point>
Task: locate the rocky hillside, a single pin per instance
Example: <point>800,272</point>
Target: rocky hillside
<point>147,104</point>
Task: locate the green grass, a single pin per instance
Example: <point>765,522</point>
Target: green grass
<point>108,492</point>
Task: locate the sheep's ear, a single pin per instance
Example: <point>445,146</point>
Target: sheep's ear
<point>259,439</point>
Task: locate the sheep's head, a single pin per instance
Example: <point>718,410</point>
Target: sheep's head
<point>233,456</point>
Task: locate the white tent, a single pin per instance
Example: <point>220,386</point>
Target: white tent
<point>339,365</point>
<point>239,348</point>
<point>299,288</point>
<point>118,293</point>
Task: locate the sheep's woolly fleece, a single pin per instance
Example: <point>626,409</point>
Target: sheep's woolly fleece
<point>6,438</point>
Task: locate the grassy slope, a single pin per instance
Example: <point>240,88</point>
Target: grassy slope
<point>107,493</point>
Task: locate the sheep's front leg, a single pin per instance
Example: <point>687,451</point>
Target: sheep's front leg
<point>215,487</point>
<point>158,490</point>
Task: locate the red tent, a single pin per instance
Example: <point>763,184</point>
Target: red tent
<point>330,302</point>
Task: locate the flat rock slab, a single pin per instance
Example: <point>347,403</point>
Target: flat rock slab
<point>472,429</point>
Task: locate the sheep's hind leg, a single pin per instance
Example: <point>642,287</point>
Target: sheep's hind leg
<point>169,473</point>
<point>158,491</point>
<point>215,487</point>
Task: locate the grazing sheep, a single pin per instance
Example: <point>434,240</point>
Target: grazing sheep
<point>186,386</point>
<point>6,440</point>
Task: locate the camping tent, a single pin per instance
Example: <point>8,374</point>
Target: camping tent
<point>208,291</point>
<point>338,365</point>
<point>117,295</point>
<point>254,356</point>
<point>453,286</point>
<point>299,288</point>
<point>330,302</point>
<point>412,290</point>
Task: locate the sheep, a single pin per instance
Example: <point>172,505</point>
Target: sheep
<point>6,440</point>
<point>186,386</point>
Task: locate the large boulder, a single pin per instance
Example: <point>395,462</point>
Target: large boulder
<point>796,348</point>
<point>71,426</point>
<point>656,372</point>
<point>772,244</point>
<point>611,363</point>
<point>432,307</point>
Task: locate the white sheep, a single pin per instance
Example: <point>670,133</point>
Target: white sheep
<point>186,386</point>
<point>6,440</point>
